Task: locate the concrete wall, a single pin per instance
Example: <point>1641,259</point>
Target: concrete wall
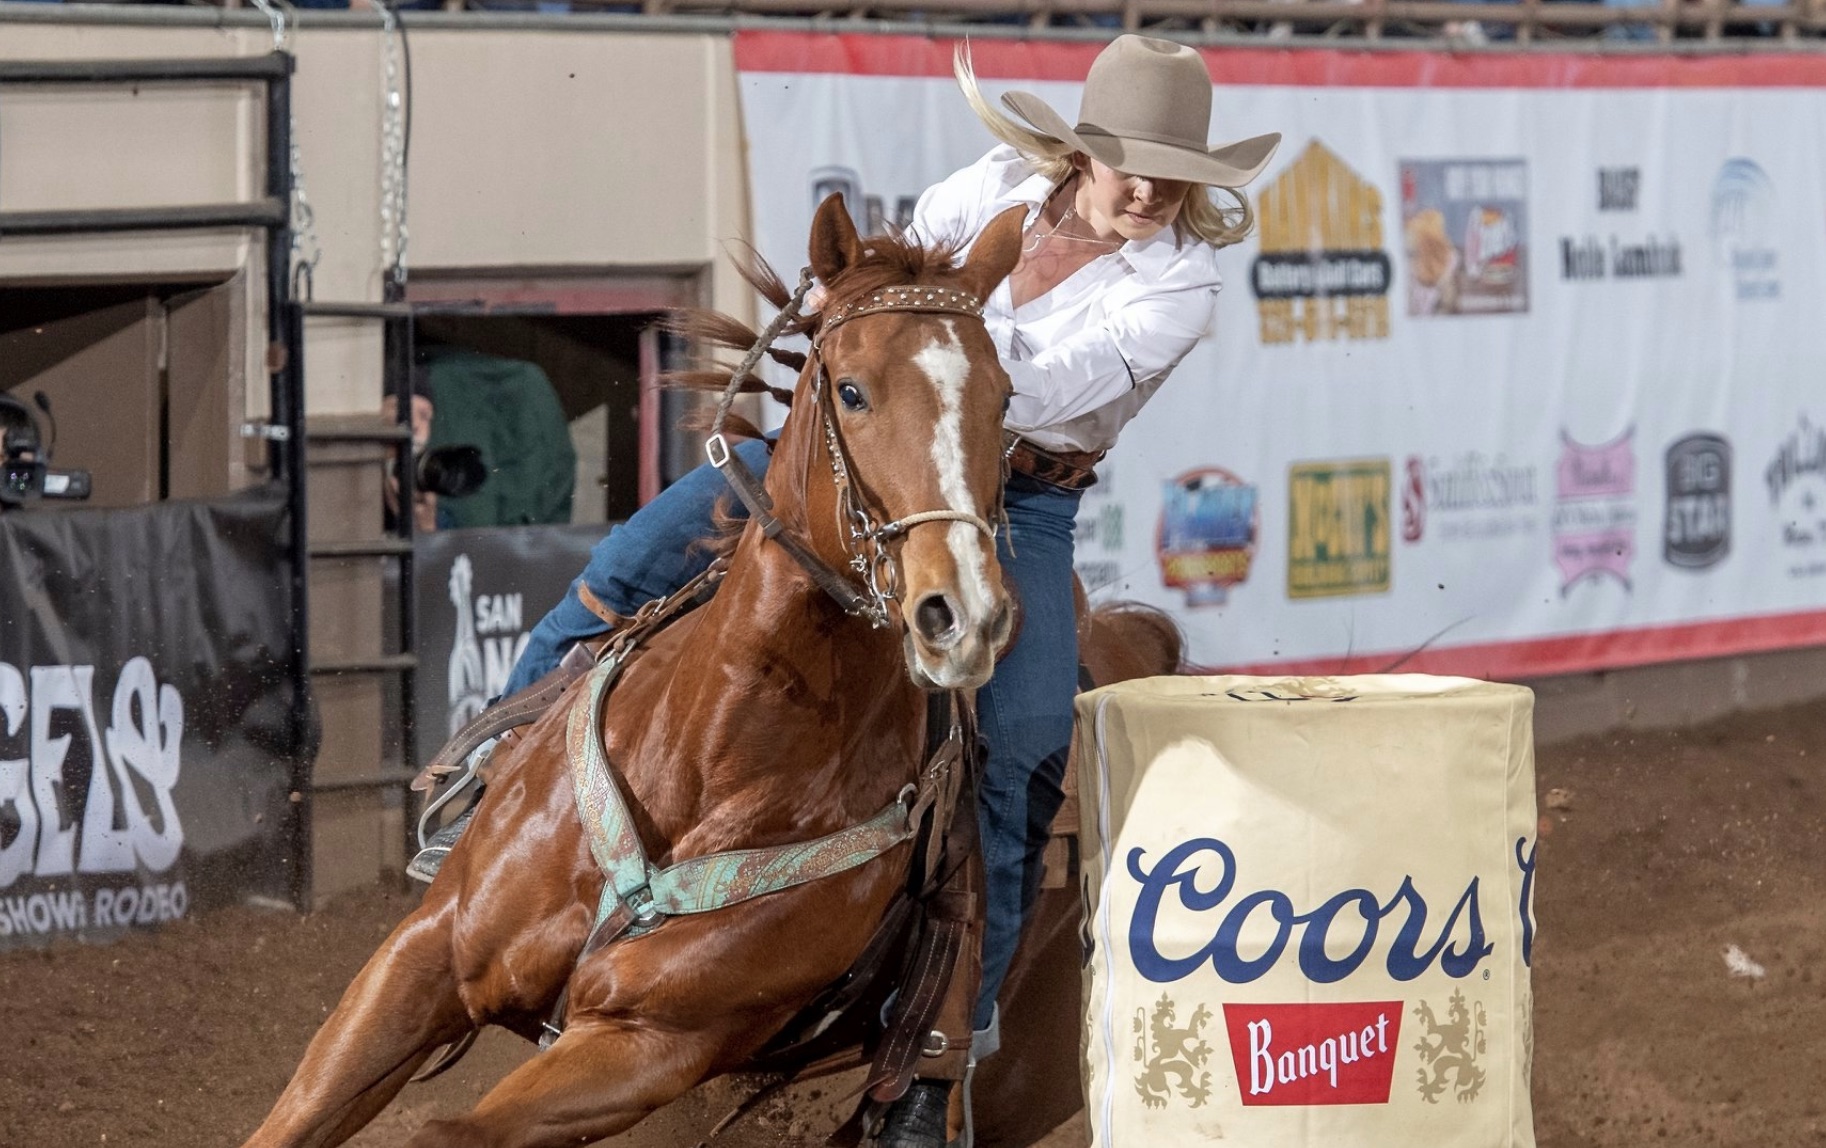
<point>588,153</point>
<point>1676,694</point>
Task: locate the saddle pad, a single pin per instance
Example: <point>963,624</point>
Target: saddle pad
<point>1310,905</point>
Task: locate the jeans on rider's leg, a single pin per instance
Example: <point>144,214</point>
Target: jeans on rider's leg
<point>1026,717</point>
<point>647,557</point>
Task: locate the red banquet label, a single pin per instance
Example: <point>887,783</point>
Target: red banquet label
<point>1314,1053</point>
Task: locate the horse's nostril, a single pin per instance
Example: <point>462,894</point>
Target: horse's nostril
<point>933,619</point>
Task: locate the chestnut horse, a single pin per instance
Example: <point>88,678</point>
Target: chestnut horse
<point>766,717</point>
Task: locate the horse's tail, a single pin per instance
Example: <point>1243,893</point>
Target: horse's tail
<point>1123,640</point>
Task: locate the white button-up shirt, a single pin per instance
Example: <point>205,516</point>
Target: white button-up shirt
<point>1086,355</point>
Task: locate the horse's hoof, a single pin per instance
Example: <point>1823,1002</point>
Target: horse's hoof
<point>917,1120</point>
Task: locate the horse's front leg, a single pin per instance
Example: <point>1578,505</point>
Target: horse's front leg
<point>402,1005</point>
<point>599,1079</point>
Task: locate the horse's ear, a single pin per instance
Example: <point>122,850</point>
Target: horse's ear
<point>995,252</point>
<point>835,244</point>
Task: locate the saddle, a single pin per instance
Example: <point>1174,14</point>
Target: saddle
<point>904,1008</point>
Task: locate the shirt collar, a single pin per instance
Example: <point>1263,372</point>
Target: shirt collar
<point>1030,193</point>
<point>1149,257</point>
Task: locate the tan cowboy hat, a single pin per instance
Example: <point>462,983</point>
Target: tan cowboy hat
<point>1147,111</point>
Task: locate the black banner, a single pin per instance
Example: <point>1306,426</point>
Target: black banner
<point>1310,274</point>
<point>145,715</point>
<point>480,593</point>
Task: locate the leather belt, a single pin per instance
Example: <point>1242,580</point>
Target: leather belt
<point>1069,469</point>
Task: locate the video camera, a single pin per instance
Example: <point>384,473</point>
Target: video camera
<point>25,472</point>
<point>454,471</point>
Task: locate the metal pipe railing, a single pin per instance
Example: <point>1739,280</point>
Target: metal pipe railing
<point>1680,26</point>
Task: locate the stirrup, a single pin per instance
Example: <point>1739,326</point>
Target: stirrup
<point>917,1119</point>
<point>434,846</point>
<point>430,859</point>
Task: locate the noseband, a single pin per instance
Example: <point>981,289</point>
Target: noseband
<point>865,537</point>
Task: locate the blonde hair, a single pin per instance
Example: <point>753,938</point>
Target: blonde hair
<point>1202,217</point>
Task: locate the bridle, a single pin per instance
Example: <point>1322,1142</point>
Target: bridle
<point>865,537</point>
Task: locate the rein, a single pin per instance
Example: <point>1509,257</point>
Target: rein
<point>865,538</point>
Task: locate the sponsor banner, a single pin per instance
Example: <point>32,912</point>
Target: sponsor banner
<point>1698,523</point>
<point>1337,528</point>
<point>1310,908</point>
<point>1795,479</point>
<point>480,593</point>
<point>1209,520</point>
<point>1505,336</point>
<point>145,701</point>
<point>1465,225</point>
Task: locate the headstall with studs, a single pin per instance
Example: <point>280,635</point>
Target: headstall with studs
<point>864,538</point>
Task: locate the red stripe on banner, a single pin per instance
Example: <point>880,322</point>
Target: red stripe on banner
<point>869,55</point>
<point>1542,657</point>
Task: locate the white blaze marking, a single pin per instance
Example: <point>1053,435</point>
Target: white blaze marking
<point>949,368</point>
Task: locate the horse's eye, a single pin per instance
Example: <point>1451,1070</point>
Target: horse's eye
<point>851,396</point>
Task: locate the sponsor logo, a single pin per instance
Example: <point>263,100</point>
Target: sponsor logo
<point>1584,258</point>
<point>1796,479</point>
<point>1172,1057</point>
<point>1322,272</point>
<point>110,907</point>
<point>1618,188</point>
<point>1696,530</point>
<point>80,799</point>
<point>1209,520</point>
<point>1465,233</point>
<point>1449,1049</point>
<point>1338,528</point>
<point>1746,229</point>
<point>1182,882</point>
<point>873,214</point>
<point>1314,1053</point>
<point>490,636</point>
<point>1594,521</point>
<point>1469,496</point>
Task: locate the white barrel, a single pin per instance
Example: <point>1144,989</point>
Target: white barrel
<point>1310,908</point>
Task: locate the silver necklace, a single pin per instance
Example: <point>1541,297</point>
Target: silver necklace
<point>1071,213</point>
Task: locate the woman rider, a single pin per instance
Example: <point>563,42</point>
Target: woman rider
<point>1117,282</point>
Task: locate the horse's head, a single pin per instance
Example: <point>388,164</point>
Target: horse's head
<point>904,398</point>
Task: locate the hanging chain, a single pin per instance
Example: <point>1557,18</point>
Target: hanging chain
<point>306,252</point>
<point>392,152</point>
<point>277,19</point>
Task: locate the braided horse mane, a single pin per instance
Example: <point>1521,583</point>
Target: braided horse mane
<point>890,260</point>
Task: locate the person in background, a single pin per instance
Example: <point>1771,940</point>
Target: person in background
<point>509,409</point>
<point>1118,281</point>
<point>424,411</point>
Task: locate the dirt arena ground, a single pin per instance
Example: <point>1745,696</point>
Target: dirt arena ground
<point>1659,851</point>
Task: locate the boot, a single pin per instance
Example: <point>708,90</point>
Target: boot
<point>433,848</point>
<point>917,1120</point>
<point>430,859</point>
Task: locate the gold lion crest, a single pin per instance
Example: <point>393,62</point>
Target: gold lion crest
<point>1178,1055</point>
<point>1449,1050</point>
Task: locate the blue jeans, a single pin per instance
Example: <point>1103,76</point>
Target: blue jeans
<point>647,557</point>
<point>1025,711</point>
